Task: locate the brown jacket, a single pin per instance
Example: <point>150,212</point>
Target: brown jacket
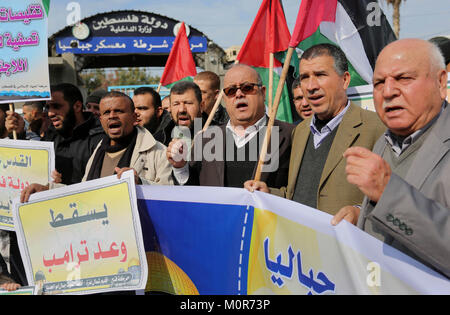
<point>358,127</point>
<point>212,173</point>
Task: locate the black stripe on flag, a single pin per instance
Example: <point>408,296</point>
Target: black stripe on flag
<point>374,30</point>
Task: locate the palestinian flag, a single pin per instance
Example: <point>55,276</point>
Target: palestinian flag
<point>46,4</point>
<point>359,28</point>
<point>180,65</point>
<point>269,34</point>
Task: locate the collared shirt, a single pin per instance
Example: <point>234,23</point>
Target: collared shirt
<point>249,132</point>
<point>400,144</point>
<point>320,135</point>
<point>182,174</point>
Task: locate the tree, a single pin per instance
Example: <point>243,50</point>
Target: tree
<point>396,15</point>
<point>93,80</point>
<point>101,78</point>
<point>134,76</point>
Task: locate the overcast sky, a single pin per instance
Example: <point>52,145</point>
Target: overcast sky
<point>227,22</point>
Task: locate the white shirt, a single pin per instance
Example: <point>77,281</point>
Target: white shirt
<point>249,132</point>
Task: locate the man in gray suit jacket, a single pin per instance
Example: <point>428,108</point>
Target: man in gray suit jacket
<point>406,179</point>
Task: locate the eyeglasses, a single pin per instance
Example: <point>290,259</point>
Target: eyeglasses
<point>246,88</point>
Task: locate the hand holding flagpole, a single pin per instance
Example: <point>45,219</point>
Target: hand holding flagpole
<point>273,113</point>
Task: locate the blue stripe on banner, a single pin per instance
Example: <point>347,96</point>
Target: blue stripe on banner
<point>266,245</point>
<point>219,234</point>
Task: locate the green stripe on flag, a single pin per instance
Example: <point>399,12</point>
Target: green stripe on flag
<point>318,38</point>
<point>46,4</point>
<point>281,56</point>
<point>284,109</point>
<point>169,86</point>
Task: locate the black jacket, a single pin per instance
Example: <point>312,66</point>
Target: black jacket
<point>72,154</point>
<point>15,261</point>
<point>220,116</point>
<point>4,275</point>
<point>163,133</point>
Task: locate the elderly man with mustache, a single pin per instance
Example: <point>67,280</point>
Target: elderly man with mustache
<point>227,155</point>
<point>405,179</point>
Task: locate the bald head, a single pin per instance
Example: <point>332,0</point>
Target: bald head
<point>428,51</point>
<point>244,95</point>
<point>240,69</point>
<point>409,85</point>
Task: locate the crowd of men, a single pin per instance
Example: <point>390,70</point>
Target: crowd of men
<point>386,172</point>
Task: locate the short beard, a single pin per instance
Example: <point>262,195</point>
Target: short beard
<point>152,125</point>
<point>68,124</point>
<point>191,124</point>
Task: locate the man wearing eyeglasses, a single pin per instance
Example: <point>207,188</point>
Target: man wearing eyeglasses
<point>317,175</point>
<point>227,155</point>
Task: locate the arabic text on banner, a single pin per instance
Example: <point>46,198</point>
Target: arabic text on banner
<point>83,238</point>
<point>207,240</point>
<point>21,164</point>
<point>24,73</point>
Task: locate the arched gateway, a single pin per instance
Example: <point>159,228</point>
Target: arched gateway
<point>124,39</point>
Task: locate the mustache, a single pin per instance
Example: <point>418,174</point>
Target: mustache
<point>240,102</point>
<point>183,114</point>
<point>386,104</point>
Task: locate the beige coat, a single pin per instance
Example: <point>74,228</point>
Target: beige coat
<point>148,160</point>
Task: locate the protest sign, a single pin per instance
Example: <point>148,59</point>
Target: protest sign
<point>20,291</point>
<point>21,164</point>
<point>211,240</point>
<point>83,238</point>
<point>24,74</point>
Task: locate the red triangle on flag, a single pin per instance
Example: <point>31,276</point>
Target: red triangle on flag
<point>180,63</point>
<point>269,34</point>
<point>310,15</point>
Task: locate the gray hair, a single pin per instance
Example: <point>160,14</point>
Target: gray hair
<point>340,61</point>
<point>436,57</point>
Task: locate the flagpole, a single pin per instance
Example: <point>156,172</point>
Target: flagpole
<point>159,88</point>
<point>273,112</point>
<point>213,111</point>
<point>271,60</point>
<point>210,117</point>
<point>11,108</point>
<point>215,107</point>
